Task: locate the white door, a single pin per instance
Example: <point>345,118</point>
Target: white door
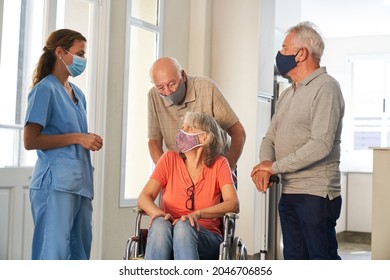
<point>15,216</point>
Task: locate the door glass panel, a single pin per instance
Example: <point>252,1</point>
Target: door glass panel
<point>21,46</point>
<point>9,61</point>
<point>8,138</point>
<point>138,162</point>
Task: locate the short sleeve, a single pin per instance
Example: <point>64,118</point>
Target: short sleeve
<point>38,107</point>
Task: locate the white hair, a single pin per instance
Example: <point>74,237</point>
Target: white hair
<point>309,37</point>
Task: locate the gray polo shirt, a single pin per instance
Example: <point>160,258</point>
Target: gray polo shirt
<point>304,136</point>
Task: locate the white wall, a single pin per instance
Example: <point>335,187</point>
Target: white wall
<point>118,223</point>
<point>287,14</point>
<point>176,30</point>
<point>234,57</point>
<point>200,32</point>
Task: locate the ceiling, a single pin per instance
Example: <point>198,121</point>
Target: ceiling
<point>345,18</point>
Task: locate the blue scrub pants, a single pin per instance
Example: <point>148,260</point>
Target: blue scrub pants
<point>183,240</point>
<point>62,225</point>
<point>308,226</point>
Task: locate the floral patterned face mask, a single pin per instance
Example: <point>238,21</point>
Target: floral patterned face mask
<point>187,141</point>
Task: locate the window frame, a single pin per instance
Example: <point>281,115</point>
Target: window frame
<point>158,30</point>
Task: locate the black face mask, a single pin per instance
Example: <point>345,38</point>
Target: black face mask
<point>285,63</point>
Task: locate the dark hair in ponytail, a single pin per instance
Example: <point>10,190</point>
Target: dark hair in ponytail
<point>63,38</point>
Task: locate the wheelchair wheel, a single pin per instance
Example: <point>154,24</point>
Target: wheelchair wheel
<point>238,250</point>
<point>131,246</point>
<point>136,245</point>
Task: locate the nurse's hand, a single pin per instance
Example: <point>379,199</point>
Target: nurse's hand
<point>91,141</point>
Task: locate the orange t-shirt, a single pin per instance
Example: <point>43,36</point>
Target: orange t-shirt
<point>172,173</point>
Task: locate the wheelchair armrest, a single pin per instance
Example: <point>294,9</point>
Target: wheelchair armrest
<point>138,219</point>
<point>232,215</point>
<point>138,210</point>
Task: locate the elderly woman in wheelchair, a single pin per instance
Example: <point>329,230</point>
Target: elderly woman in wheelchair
<point>196,189</point>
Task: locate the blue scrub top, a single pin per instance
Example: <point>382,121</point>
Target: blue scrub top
<point>69,168</point>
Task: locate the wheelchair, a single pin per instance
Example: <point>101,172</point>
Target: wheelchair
<point>231,248</point>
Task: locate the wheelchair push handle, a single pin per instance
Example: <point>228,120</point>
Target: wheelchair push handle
<point>274,179</point>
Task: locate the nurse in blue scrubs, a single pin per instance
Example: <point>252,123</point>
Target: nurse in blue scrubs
<point>61,188</point>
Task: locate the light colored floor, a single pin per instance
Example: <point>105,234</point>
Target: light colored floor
<point>351,251</point>
<point>354,246</point>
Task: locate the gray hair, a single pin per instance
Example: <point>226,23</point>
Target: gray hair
<point>217,144</point>
<point>309,37</point>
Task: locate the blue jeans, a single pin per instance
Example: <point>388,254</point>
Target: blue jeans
<point>308,226</point>
<point>182,242</point>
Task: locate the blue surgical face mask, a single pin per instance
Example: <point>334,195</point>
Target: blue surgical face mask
<point>78,65</point>
<point>285,63</point>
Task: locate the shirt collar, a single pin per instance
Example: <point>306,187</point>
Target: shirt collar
<point>313,75</point>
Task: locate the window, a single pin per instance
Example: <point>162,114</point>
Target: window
<point>143,42</point>
<point>20,44</point>
<point>367,117</point>
<point>24,27</point>
<point>371,102</point>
